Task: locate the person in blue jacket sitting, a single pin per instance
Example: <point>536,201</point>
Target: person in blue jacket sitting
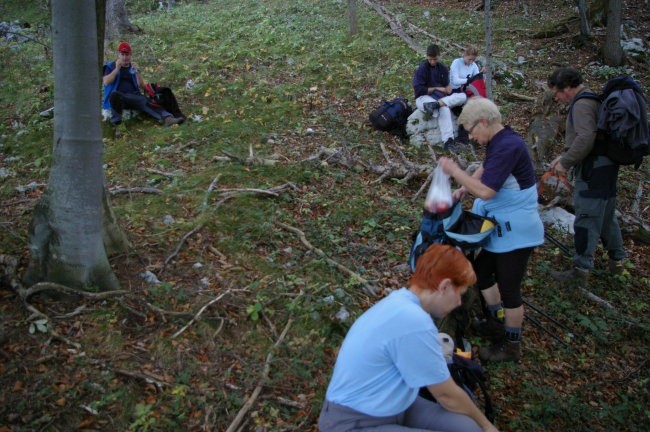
<point>122,83</point>
<point>506,190</point>
<point>393,349</point>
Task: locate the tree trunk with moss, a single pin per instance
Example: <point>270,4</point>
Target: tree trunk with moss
<point>66,237</point>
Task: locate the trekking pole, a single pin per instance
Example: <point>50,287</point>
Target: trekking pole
<point>541,327</point>
<point>545,315</point>
<point>560,246</point>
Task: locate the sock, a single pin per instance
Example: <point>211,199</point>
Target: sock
<point>496,312</point>
<point>513,334</point>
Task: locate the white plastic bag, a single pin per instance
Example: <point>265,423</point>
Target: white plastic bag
<point>438,198</point>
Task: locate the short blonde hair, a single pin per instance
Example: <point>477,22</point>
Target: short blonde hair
<point>471,50</point>
<point>479,108</point>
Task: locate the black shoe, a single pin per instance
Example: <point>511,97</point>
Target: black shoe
<point>171,120</point>
<point>115,120</point>
<point>432,108</point>
<point>452,146</point>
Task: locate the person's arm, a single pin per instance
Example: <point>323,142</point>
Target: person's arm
<point>110,77</point>
<point>137,75</point>
<point>456,78</point>
<point>472,184</point>
<point>585,128</point>
<point>459,193</point>
<point>454,399</point>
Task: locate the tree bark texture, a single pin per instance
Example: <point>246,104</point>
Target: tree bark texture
<point>117,20</point>
<point>585,31</point>
<point>488,51</point>
<point>352,17</point>
<point>613,54</point>
<point>66,240</point>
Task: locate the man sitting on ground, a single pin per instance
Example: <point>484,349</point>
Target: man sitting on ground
<point>433,94</point>
<point>122,83</point>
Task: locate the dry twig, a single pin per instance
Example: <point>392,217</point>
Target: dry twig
<point>367,287</point>
<point>265,374</point>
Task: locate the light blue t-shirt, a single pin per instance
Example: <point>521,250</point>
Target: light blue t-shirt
<point>389,353</point>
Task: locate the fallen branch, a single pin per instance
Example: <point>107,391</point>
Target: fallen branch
<point>251,160</point>
<point>367,287</point>
<point>169,175</point>
<point>141,376</point>
<point>198,314</point>
<point>127,190</point>
<point>265,374</point>
<point>396,27</point>
<point>226,194</point>
<point>521,97</point>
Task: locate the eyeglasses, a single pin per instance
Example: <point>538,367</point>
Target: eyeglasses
<point>470,130</point>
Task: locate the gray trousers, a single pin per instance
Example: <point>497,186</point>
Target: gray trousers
<point>422,416</point>
<point>594,199</point>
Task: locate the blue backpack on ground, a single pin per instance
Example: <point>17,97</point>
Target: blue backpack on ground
<point>391,116</point>
<point>457,227</point>
<point>623,133</point>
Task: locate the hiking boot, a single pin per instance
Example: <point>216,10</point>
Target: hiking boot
<point>489,329</point>
<point>576,274</point>
<point>503,351</point>
<point>616,267</point>
<point>116,120</point>
<point>452,146</point>
<point>171,120</point>
<point>432,108</point>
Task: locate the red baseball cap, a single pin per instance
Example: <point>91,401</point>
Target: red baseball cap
<point>124,48</point>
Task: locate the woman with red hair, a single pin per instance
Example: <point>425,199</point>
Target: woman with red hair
<point>393,349</point>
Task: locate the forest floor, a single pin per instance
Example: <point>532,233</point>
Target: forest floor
<point>268,219</point>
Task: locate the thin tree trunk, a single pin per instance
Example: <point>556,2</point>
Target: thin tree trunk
<point>352,16</point>
<point>613,54</point>
<point>585,31</point>
<point>488,51</point>
<point>66,241</point>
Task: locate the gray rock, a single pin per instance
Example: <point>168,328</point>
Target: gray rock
<point>149,277</point>
<point>422,129</point>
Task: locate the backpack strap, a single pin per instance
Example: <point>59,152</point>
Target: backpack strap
<point>583,95</point>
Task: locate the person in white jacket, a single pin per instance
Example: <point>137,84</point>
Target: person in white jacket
<point>463,68</point>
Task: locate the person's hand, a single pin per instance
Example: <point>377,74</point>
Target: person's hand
<point>448,165</point>
<point>458,194</point>
<point>135,67</point>
<point>448,89</point>
<point>118,63</point>
<point>557,168</point>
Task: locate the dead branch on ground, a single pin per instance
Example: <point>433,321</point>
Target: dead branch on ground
<point>225,194</point>
<point>198,314</point>
<point>251,160</point>
<point>368,288</point>
<point>129,190</point>
<point>265,375</point>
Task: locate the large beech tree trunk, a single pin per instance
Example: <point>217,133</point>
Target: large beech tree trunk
<point>66,236</point>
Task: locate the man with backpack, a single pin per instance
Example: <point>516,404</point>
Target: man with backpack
<point>122,83</point>
<point>594,195</point>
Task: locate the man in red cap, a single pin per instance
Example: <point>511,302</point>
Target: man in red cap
<point>122,84</point>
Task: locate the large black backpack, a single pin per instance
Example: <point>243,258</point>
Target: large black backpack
<point>622,121</point>
<point>471,377</point>
<point>391,116</point>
